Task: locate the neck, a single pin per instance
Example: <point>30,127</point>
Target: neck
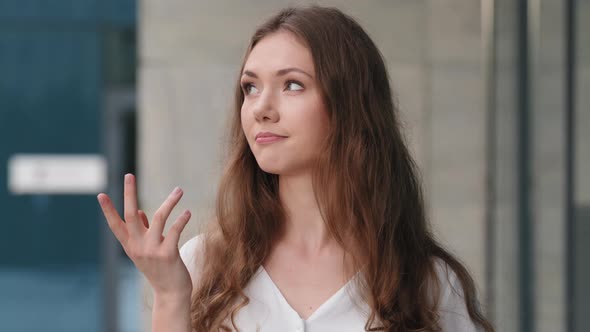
<point>304,226</point>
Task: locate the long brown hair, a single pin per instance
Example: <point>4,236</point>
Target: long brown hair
<point>366,184</point>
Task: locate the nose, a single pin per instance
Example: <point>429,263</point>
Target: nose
<point>264,109</point>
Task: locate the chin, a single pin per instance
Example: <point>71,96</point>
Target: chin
<point>272,169</point>
<point>271,163</point>
<point>282,166</point>
<point>282,170</point>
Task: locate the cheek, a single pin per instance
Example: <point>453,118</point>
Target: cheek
<point>315,124</point>
<point>246,122</point>
<point>318,119</point>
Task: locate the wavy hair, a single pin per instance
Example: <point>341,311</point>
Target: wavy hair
<point>366,184</point>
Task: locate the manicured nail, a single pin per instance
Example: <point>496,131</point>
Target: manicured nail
<point>128,178</point>
<point>177,191</point>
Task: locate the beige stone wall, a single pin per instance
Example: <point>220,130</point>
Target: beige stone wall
<point>548,173</point>
<point>504,280</point>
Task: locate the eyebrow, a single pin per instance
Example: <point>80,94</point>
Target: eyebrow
<point>279,72</point>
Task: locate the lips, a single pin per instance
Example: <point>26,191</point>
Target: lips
<point>268,134</point>
<point>268,137</point>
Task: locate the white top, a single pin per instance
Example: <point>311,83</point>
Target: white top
<point>269,311</point>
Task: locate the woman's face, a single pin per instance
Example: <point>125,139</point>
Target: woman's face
<point>282,97</point>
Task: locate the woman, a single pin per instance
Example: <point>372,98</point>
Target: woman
<point>320,222</point>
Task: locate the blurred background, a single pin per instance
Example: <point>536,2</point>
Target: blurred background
<point>495,99</point>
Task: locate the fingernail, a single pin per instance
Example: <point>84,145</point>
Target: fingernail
<point>127,178</point>
<point>177,191</point>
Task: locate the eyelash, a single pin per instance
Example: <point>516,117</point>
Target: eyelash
<point>246,85</point>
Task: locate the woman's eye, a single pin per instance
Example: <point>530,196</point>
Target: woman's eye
<point>294,86</point>
<point>249,88</point>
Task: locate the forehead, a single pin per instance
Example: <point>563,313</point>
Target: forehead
<point>277,51</point>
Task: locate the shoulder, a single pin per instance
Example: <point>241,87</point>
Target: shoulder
<point>451,301</point>
<point>191,253</point>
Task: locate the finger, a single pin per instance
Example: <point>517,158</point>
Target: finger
<point>176,229</point>
<point>114,221</point>
<point>162,214</point>
<point>143,218</point>
<point>130,205</point>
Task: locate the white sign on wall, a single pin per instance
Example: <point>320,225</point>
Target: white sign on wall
<point>57,174</point>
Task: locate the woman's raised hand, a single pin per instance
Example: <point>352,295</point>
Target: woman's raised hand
<point>154,255</point>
